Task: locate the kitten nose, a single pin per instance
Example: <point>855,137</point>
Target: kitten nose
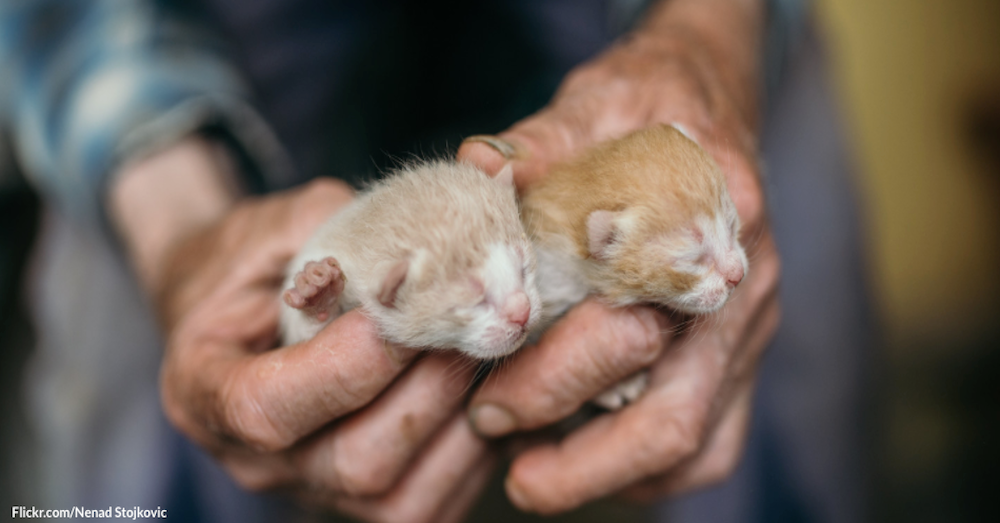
<point>517,308</point>
<point>735,275</point>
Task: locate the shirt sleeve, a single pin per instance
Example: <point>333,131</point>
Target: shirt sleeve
<point>786,20</point>
<point>88,85</point>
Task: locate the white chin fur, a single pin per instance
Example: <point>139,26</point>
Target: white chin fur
<point>702,301</point>
<point>488,335</point>
<point>492,351</point>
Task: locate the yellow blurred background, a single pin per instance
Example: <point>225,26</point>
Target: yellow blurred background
<point>912,76</point>
<point>919,83</point>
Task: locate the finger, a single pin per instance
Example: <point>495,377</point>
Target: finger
<point>592,348</point>
<point>753,312</point>
<point>724,446</point>
<point>270,400</point>
<point>260,472</point>
<point>743,180</point>
<point>663,428</point>
<point>529,158</point>
<point>489,153</point>
<point>304,209</point>
<point>461,501</point>
<point>367,452</point>
<point>452,456</point>
<point>714,463</point>
<point>553,135</point>
<point>754,319</point>
<point>252,246</point>
<point>667,426</point>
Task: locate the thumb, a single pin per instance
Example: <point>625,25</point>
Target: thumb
<point>532,146</point>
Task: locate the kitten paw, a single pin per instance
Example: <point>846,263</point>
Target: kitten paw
<point>624,392</point>
<point>317,287</point>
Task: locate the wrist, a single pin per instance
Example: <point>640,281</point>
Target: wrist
<point>725,36</point>
<point>158,200</point>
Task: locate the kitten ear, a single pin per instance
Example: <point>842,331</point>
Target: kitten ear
<point>392,282</point>
<point>602,232</point>
<point>684,130</point>
<point>506,175</point>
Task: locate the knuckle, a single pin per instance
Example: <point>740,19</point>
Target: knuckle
<point>766,272</point>
<point>243,210</point>
<point>552,503</point>
<point>245,420</point>
<point>322,185</point>
<point>687,86</point>
<point>638,337</point>
<point>544,498</point>
<point>686,440</point>
<point>330,188</point>
<point>745,186</point>
<point>177,408</point>
<point>773,320</point>
<point>582,77</point>
<point>715,465</point>
<point>405,509</point>
<point>403,514</point>
<point>770,266</point>
<point>770,318</point>
<point>181,420</point>
<point>172,407</point>
<point>720,470</point>
<point>325,194</point>
<point>359,471</point>
<point>362,478</point>
<point>256,483</point>
<point>676,438</point>
<point>752,203</point>
<point>253,478</point>
<point>345,392</point>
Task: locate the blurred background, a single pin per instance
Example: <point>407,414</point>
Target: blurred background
<point>919,84</point>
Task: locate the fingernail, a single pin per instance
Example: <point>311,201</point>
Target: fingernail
<point>516,495</point>
<point>398,354</point>
<point>505,148</point>
<point>490,420</point>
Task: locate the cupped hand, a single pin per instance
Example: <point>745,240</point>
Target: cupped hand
<point>688,429</point>
<point>342,420</point>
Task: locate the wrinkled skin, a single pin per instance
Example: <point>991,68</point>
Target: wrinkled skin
<point>688,430</point>
<point>342,421</point>
<point>408,455</point>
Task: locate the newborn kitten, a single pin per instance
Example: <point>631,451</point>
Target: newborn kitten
<point>643,219</point>
<point>435,255</point>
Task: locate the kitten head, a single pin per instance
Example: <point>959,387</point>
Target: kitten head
<point>690,263</point>
<point>651,215</point>
<point>468,280</point>
<point>484,310</point>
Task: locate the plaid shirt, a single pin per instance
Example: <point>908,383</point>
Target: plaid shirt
<point>85,85</point>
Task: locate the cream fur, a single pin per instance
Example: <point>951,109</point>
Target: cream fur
<point>461,232</point>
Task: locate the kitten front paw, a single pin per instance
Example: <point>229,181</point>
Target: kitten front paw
<point>317,287</point>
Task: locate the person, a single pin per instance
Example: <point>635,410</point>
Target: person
<point>159,147</point>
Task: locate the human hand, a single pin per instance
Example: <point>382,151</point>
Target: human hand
<point>340,421</point>
<point>693,63</point>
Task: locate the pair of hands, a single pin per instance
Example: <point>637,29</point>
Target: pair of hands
<point>385,433</point>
